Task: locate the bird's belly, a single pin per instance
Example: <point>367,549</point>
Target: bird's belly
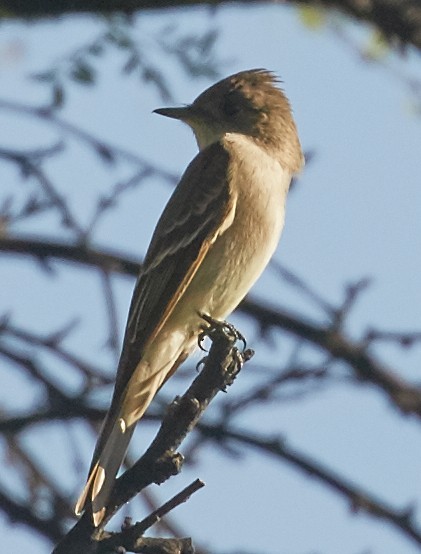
<point>232,266</point>
<point>238,257</point>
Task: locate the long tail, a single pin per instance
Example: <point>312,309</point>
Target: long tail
<point>103,472</point>
<point>112,445</point>
<point>125,411</point>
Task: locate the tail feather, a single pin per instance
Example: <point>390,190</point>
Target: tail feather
<point>102,476</point>
<point>83,497</point>
<point>113,443</point>
<point>125,411</point>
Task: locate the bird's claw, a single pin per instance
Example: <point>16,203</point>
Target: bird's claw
<point>239,358</point>
<point>213,329</point>
<point>213,326</point>
<point>201,362</point>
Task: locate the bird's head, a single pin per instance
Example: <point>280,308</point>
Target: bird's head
<point>248,103</point>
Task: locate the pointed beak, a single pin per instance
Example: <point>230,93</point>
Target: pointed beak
<point>183,113</point>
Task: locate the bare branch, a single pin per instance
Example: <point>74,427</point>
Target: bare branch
<point>406,397</point>
<point>78,253</point>
<point>160,461</point>
<point>30,166</point>
<point>63,412</point>
<point>98,145</point>
<point>395,19</point>
<point>146,545</point>
<point>35,371</point>
<point>403,339</point>
<point>360,499</point>
<point>23,514</point>
<point>166,508</point>
<point>52,344</point>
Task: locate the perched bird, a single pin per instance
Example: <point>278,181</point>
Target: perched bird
<point>212,242</point>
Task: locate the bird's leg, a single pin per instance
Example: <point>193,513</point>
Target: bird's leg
<point>215,326</point>
<point>212,328</point>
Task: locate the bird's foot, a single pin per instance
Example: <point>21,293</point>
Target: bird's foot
<point>212,327</point>
<point>239,358</point>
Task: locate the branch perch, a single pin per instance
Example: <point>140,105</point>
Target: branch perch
<point>161,460</point>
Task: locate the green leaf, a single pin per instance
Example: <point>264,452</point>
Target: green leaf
<point>377,47</point>
<point>313,18</point>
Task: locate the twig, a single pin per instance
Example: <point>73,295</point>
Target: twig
<point>78,253</point>
<point>268,391</point>
<point>64,412</point>
<point>352,293</point>
<point>52,343</point>
<point>36,480</point>
<point>104,149</point>
<point>23,514</point>
<point>406,397</point>
<point>360,499</point>
<point>108,202</point>
<point>175,501</point>
<point>167,525</point>
<point>298,283</point>
<point>405,340</point>
<point>30,166</point>
<point>33,369</point>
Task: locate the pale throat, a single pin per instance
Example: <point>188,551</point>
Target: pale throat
<point>204,134</point>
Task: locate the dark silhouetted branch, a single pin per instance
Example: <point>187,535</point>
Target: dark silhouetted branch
<point>395,19</point>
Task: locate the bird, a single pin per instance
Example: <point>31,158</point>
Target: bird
<point>213,240</point>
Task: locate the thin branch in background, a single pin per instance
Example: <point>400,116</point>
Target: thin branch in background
<point>166,525</point>
<point>163,510</point>
<point>404,396</point>
<point>352,294</point>
<point>36,202</point>
<point>107,202</point>
<point>360,500</point>
<point>270,390</point>
<point>36,155</point>
<point>82,254</point>
<point>37,482</point>
<point>379,52</point>
<point>24,514</point>
<point>302,287</point>
<point>30,166</point>
<point>66,411</point>
<point>403,339</point>
<point>52,343</point>
<point>113,340</point>
<point>33,369</point>
<point>105,150</point>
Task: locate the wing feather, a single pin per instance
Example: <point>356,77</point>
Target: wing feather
<point>200,209</point>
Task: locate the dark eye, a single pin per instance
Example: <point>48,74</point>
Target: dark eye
<point>231,105</point>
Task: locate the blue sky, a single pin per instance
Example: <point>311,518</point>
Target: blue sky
<point>354,213</point>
